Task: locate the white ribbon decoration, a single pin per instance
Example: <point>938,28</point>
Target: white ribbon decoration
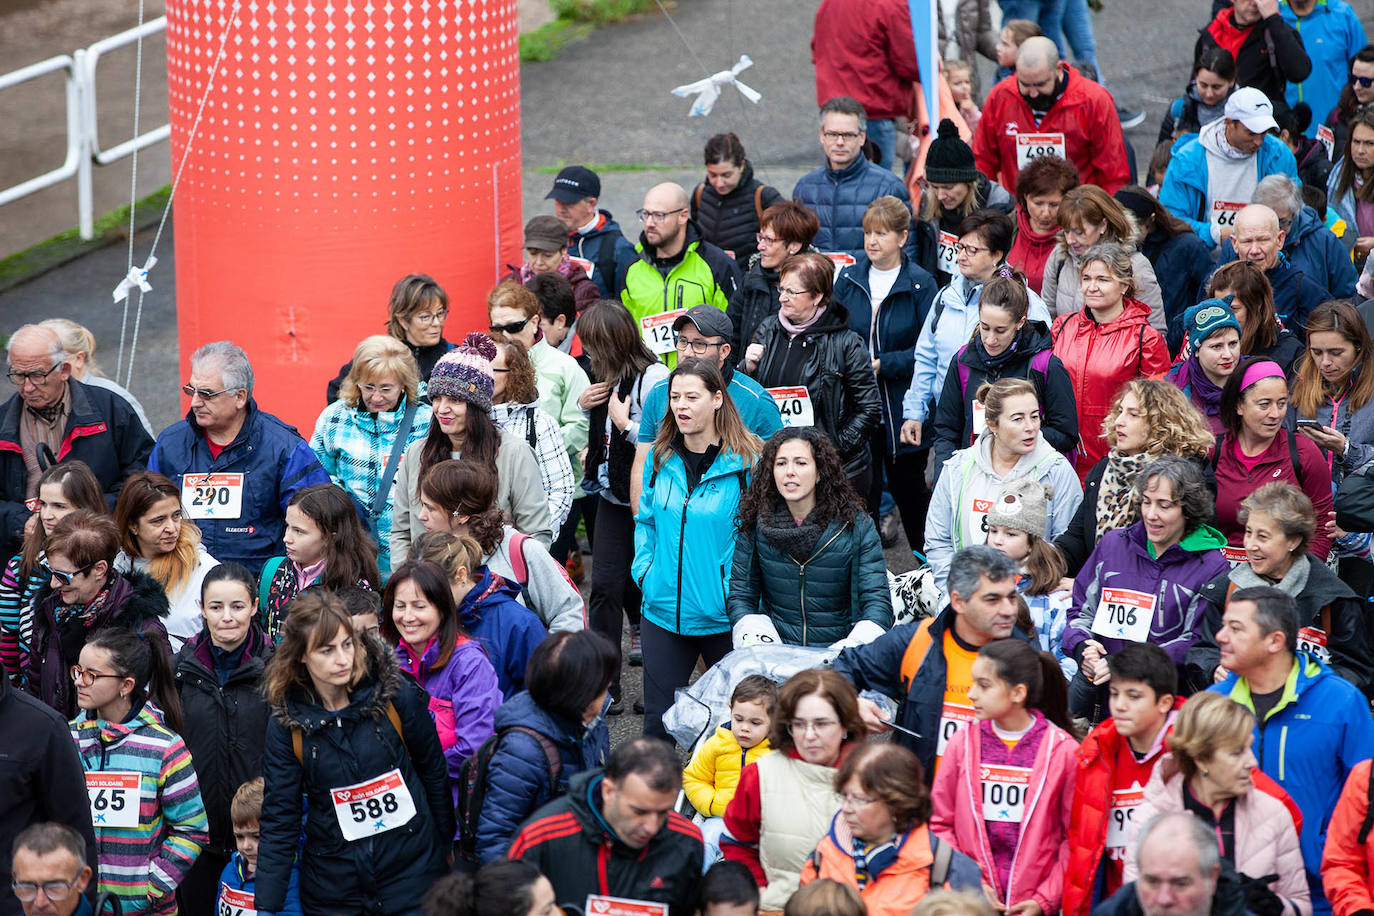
<point>137,276</point>
<point>708,90</point>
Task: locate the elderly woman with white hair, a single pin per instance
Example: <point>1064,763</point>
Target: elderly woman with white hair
<point>360,437</point>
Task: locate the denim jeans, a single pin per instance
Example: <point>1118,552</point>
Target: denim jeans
<point>1067,22</point>
<point>1077,24</point>
<point>883,132</point>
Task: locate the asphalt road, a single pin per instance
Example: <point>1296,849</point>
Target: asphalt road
<point>604,100</point>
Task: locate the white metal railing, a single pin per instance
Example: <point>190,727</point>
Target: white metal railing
<point>83,138</point>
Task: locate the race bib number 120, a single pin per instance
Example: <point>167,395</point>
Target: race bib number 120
<point>373,807</point>
<point>657,331</point>
<point>214,496</point>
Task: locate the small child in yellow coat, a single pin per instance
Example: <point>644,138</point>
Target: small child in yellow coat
<point>712,775</point>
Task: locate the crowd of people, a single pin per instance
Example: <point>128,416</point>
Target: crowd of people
<point>1123,420</point>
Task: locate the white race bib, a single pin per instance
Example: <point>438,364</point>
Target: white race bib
<point>1313,640</point>
<point>235,903</point>
<point>1004,793</point>
<point>953,719</point>
<point>115,798</point>
<point>841,260</point>
<point>583,263</point>
<point>1327,139</point>
<point>1033,146</point>
<point>600,905</point>
<point>657,331</point>
<point>1234,555</point>
<point>1124,803</point>
<point>976,524</point>
<point>373,807</point>
<point>1224,213</point>
<point>947,254</point>
<point>1124,613</point>
<point>980,420</point>
<point>795,406</point>
<point>215,496</point>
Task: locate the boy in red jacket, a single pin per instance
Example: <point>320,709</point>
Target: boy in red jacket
<point>1115,762</point>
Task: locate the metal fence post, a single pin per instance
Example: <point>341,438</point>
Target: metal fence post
<point>78,97</point>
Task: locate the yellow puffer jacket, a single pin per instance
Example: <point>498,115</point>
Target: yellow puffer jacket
<point>713,773</point>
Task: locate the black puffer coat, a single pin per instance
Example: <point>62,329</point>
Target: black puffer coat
<point>731,222</point>
<point>385,875</point>
<point>754,300</point>
<point>223,726</point>
<point>838,376</point>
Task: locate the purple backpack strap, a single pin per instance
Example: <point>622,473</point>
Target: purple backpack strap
<point>963,372</point>
<point>1040,362</point>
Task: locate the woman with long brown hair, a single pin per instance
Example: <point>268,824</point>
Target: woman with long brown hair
<point>1350,189</point>
<point>343,718</point>
<point>155,538</point>
<point>625,372</point>
<point>515,407</point>
<point>62,489</point>
<point>685,532</point>
<point>1262,335</point>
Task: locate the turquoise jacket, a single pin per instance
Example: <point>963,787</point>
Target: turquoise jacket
<point>685,543</point>
<point>1331,34</point>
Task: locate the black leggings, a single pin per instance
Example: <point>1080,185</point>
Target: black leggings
<point>906,481</point>
<point>614,593</point>
<point>669,660</point>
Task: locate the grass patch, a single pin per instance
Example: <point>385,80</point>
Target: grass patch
<point>64,246</point>
<point>600,167</point>
<point>573,21</point>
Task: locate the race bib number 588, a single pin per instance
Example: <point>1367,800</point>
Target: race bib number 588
<point>376,806</point>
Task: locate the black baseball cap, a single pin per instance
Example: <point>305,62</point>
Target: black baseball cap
<point>574,183</point>
<point>709,320</point>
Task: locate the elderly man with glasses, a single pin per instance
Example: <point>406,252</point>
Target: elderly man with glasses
<point>237,465</point>
<point>53,418</point>
<point>675,269</point>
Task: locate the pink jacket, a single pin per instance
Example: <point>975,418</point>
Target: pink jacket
<point>1037,872</point>
<point>1266,841</point>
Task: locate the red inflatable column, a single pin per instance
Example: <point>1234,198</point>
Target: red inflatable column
<point>343,144</point>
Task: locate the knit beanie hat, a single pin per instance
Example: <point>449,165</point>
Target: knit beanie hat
<point>465,372</point>
<point>1206,318</point>
<point>1023,504</point>
<point>950,160</point>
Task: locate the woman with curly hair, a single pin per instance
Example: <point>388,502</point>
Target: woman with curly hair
<point>808,567</point>
<point>1149,418</point>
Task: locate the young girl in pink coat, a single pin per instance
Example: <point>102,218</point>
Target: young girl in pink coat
<point>1004,790</point>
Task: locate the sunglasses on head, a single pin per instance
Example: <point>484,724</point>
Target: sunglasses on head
<point>514,327</point>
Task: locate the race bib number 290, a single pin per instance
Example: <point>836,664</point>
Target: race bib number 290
<point>212,496</point>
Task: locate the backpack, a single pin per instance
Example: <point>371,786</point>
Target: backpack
<point>949,866</point>
<point>758,200</point>
<point>394,717</point>
<point>522,569</point>
<point>474,778</point>
<point>1292,455</point>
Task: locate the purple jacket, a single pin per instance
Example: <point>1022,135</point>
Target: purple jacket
<point>507,629</point>
<point>463,696</point>
<point>1121,568</point>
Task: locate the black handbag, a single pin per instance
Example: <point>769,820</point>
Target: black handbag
<point>1354,502</point>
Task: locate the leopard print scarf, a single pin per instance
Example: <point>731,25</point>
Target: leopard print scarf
<point>1114,507</point>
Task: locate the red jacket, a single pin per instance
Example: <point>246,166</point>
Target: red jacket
<point>1234,483</point>
<point>864,49</point>
<point>1100,359</point>
<point>1085,114</point>
<point>1348,865</point>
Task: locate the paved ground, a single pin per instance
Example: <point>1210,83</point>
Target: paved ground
<point>604,101</point>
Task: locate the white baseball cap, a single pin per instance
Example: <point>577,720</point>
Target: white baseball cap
<point>1252,108</point>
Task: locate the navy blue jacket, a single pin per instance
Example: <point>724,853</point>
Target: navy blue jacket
<point>383,875</point>
<point>840,199</point>
<point>1182,265</point>
<point>1314,250</point>
<point>275,462</point>
<point>518,776</point>
<point>893,340</point>
<point>102,430</point>
<point>1295,295</point>
<point>878,666</point>
<point>606,247</point>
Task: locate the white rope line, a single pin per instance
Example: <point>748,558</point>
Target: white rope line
<point>133,180</point>
<point>176,180</point>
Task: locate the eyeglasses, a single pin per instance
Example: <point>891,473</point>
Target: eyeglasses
<point>205,394</point>
<point>833,135</point>
<point>1364,82</point>
<point>785,293</point>
<point>766,239</point>
<point>815,726</point>
<point>855,801</point>
<point>656,216</point>
<point>64,577</point>
<point>84,678</point>
<point>969,250</point>
<point>385,391</point>
<point>431,317</point>
<point>514,327</point>
<point>698,347</point>
<point>53,890</point>
<point>35,377</point>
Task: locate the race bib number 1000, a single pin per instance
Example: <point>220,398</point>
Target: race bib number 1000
<point>1004,793</point>
<point>213,496</point>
